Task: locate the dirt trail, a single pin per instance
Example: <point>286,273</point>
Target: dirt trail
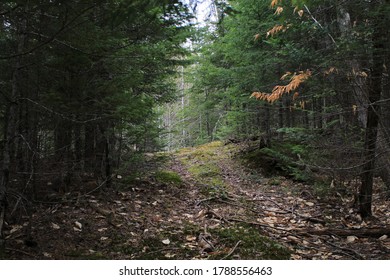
<point>196,203</point>
<point>285,211</point>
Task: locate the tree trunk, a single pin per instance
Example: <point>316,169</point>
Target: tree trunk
<point>374,95</point>
<point>365,192</point>
<point>89,147</point>
<point>108,162</point>
<point>383,141</point>
<point>358,82</point>
<point>11,118</point>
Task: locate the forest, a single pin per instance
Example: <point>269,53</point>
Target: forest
<point>194,129</point>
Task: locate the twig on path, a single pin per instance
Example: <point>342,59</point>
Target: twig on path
<point>209,211</point>
<point>205,200</point>
<point>345,250</point>
<point>232,250</point>
<point>259,224</point>
<point>287,211</point>
<point>238,205</point>
<point>343,232</point>
<point>20,251</point>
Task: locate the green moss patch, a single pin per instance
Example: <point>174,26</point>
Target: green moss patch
<point>251,244</point>
<point>202,162</point>
<point>168,177</point>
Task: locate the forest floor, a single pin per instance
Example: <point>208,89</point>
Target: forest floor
<point>201,203</point>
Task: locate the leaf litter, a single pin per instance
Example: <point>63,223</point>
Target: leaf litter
<point>210,215</point>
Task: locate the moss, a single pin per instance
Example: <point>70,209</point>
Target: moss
<point>204,170</point>
<point>168,177</point>
<point>274,182</point>
<point>202,162</point>
<point>215,191</point>
<point>131,179</point>
<point>211,145</point>
<point>252,244</point>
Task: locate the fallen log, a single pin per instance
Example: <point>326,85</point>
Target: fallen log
<point>361,232</point>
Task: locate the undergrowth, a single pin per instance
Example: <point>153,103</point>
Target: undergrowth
<point>280,159</point>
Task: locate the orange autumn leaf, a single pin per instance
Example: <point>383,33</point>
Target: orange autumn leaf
<point>277,92</point>
<point>279,10</point>
<point>276,29</point>
<point>275,2</point>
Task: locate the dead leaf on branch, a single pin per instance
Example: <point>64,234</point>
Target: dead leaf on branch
<point>278,91</point>
<point>279,10</point>
<point>275,2</point>
<point>276,29</point>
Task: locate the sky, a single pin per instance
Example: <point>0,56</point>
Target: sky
<point>203,9</point>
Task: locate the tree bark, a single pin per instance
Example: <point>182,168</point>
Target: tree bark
<point>10,130</point>
<point>374,95</point>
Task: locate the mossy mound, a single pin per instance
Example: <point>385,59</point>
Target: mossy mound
<point>168,177</point>
<point>251,244</point>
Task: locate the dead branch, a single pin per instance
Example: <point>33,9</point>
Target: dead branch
<point>362,232</point>
<point>315,220</point>
<point>258,224</point>
<point>20,251</point>
<point>205,200</point>
<point>347,251</point>
<point>213,213</point>
<point>232,250</point>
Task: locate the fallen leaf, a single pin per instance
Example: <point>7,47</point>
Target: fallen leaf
<point>310,204</point>
<point>293,239</point>
<point>190,238</point>
<point>169,255</point>
<point>55,226</point>
<point>201,213</point>
<point>166,241</point>
<point>190,245</point>
<point>78,225</point>
<point>15,229</point>
<point>383,237</point>
<point>351,239</point>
